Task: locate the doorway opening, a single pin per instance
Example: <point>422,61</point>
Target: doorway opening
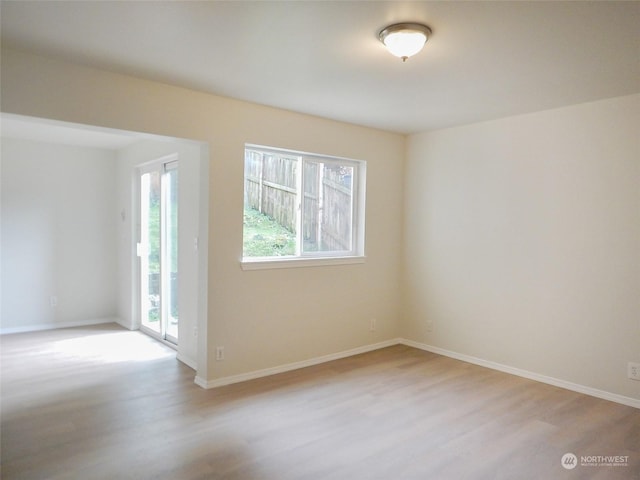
<point>110,162</point>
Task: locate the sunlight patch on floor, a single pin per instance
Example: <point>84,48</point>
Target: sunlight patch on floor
<point>113,348</point>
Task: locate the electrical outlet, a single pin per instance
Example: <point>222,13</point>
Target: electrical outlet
<point>53,301</point>
<point>372,325</point>
<point>633,371</point>
<point>195,331</point>
<point>429,325</point>
<point>219,354</point>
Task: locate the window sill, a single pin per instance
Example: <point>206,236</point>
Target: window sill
<point>297,262</point>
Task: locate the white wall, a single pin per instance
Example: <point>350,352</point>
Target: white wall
<point>128,159</point>
<point>263,318</point>
<point>523,242</point>
<point>57,235</point>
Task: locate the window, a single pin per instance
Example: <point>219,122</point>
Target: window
<point>300,206</point>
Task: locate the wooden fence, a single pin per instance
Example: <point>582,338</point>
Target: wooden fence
<point>271,188</point>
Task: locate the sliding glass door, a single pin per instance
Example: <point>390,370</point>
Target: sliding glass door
<point>158,249</point>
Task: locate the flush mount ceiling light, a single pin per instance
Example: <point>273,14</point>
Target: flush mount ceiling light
<point>404,39</point>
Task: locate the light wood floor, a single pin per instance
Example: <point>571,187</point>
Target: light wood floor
<point>105,403</point>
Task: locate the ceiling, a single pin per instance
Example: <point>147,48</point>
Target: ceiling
<point>41,130</point>
<point>485,60</point>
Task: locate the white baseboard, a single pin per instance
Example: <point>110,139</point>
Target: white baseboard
<point>219,382</point>
<point>126,325</point>
<point>201,382</point>
<point>594,392</point>
<point>187,361</point>
<point>54,326</point>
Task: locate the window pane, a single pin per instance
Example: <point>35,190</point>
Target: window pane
<point>311,207</point>
<point>327,216</point>
<point>301,205</point>
<point>270,204</point>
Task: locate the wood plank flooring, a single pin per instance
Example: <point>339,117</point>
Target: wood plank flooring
<point>105,403</point>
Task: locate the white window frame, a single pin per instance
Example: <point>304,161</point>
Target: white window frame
<point>308,259</point>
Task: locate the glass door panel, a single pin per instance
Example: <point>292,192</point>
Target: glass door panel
<point>158,250</point>
<point>150,250</point>
<point>171,252</point>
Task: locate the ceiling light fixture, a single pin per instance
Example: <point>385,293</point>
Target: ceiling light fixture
<point>404,39</point>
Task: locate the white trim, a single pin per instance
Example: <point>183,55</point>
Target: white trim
<point>187,361</point>
<point>156,336</point>
<point>128,326</point>
<point>358,180</point>
<point>265,263</point>
<point>302,153</point>
<point>55,326</point>
<point>201,382</point>
<point>152,165</point>
<point>594,392</point>
<point>219,382</point>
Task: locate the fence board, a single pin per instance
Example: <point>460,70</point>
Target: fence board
<point>271,188</point>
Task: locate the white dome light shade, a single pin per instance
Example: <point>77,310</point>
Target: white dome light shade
<point>405,39</point>
<point>405,44</point>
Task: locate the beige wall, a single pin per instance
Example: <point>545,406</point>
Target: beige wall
<point>523,242</point>
<point>262,318</point>
<point>520,236</point>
